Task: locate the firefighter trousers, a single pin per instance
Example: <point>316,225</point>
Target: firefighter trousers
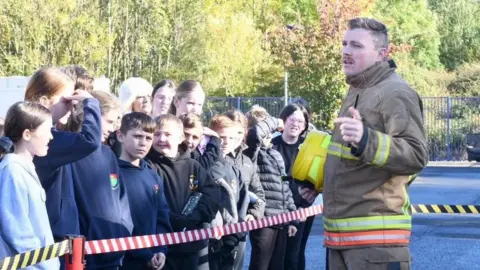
<point>369,258</point>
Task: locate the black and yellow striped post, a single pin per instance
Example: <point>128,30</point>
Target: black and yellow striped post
<point>35,256</point>
<point>445,209</point>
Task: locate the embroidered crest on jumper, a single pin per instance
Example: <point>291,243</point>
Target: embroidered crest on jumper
<point>114,180</point>
<point>193,183</point>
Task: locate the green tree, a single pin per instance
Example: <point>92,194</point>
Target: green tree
<point>235,64</point>
<point>56,34</point>
<point>311,55</point>
<point>411,22</point>
<point>459,30</point>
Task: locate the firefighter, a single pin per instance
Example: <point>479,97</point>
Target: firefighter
<point>377,143</point>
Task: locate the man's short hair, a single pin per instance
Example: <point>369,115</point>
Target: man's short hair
<point>191,120</point>
<point>221,121</point>
<point>256,114</point>
<point>377,29</point>
<point>136,120</point>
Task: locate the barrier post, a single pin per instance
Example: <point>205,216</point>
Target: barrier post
<point>75,259</point>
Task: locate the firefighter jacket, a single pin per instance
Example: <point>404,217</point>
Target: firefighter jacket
<point>365,197</point>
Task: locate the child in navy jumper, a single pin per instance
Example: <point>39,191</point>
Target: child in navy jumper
<point>100,192</point>
<point>53,89</point>
<point>149,209</point>
<point>184,179</point>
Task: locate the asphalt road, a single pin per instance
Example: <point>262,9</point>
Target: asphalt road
<point>439,241</point>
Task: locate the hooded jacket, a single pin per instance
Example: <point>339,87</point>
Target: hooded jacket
<point>270,169</point>
<point>183,176</point>
<point>24,224</point>
<point>247,173</point>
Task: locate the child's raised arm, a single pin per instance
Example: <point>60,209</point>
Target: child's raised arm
<point>257,134</point>
<point>67,147</point>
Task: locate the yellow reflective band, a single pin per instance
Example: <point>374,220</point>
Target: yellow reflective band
<point>403,222</point>
<point>340,151</point>
<point>383,150</point>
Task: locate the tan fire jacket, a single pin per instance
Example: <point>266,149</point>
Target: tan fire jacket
<point>364,193</point>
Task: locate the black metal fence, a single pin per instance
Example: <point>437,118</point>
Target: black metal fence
<point>447,123</point>
<point>447,120</point>
<point>273,105</point>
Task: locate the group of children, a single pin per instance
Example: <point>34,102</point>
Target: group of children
<point>69,166</point>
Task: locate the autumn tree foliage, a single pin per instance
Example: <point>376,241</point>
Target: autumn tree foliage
<point>311,53</point>
<point>242,48</point>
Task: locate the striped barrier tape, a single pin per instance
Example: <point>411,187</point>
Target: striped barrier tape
<point>35,256</point>
<point>445,209</point>
<point>147,241</point>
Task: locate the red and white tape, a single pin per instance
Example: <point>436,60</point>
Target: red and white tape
<point>148,241</point>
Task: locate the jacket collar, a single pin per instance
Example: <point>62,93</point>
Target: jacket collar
<point>372,75</point>
<point>237,153</point>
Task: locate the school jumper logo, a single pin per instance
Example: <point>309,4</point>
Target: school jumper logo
<point>155,187</point>
<point>193,183</point>
<point>114,180</point>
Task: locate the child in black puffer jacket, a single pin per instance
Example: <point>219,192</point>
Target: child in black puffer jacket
<point>271,171</point>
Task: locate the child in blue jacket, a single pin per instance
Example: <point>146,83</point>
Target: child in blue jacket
<point>24,224</point>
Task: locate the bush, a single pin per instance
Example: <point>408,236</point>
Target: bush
<point>428,83</point>
<point>466,81</point>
